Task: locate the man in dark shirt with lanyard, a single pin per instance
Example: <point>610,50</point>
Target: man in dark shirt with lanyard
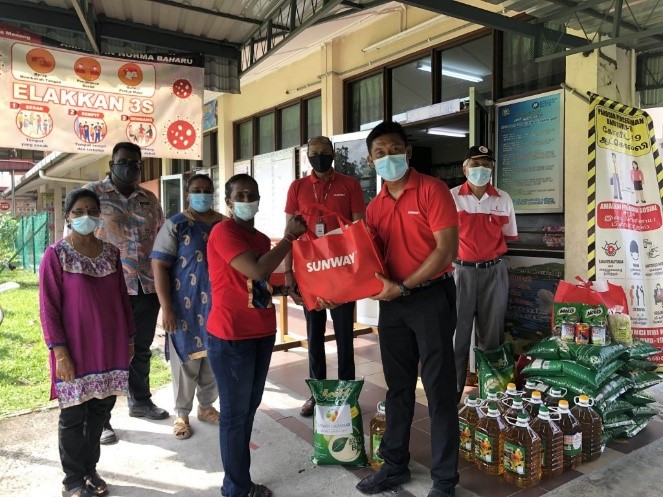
<point>414,221</point>
<point>342,194</point>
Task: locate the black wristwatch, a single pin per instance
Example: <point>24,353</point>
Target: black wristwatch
<point>405,291</point>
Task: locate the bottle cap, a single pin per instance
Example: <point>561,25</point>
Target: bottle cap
<point>583,400</point>
<point>536,396</point>
<point>493,410</point>
<point>382,406</point>
<point>531,384</point>
<point>544,412</point>
<point>556,392</point>
<point>511,388</point>
<point>517,401</point>
<point>522,420</point>
<point>563,405</point>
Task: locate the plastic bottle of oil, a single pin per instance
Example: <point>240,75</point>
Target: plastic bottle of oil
<point>489,441</point>
<point>572,436</point>
<point>377,426</point>
<point>552,443</point>
<point>512,391</point>
<point>468,418</point>
<point>494,396</point>
<point>517,407</point>
<point>592,428</point>
<point>530,386</point>
<point>522,454</point>
<point>533,404</point>
<point>555,394</point>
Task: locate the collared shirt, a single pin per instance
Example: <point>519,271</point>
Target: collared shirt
<point>404,228</point>
<point>484,224</point>
<point>340,193</point>
<point>131,224</point>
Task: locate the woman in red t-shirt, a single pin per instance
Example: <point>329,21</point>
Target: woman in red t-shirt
<point>638,179</point>
<point>242,324</point>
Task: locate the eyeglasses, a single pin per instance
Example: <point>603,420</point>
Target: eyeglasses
<point>81,212</point>
<point>131,163</point>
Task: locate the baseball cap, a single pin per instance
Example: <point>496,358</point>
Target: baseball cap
<point>479,152</point>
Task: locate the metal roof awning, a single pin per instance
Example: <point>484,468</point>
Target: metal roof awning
<point>15,165</point>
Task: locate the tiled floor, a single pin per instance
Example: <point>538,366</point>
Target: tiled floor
<point>290,368</point>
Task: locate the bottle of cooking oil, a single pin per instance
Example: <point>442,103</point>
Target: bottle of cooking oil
<point>533,404</point>
<point>522,454</point>
<point>592,428</point>
<point>517,407</point>
<point>552,442</point>
<point>377,427</point>
<point>511,390</point>
<point>572,436</point>
<point>530,386</point>
<point>489,441</point>
<point>555,394</point>
<point>468,418</point>
<point>494,396</point>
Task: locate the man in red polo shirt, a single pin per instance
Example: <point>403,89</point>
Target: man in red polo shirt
<point>342,194</point>
<point>486,221</point>
<point>414,221</point>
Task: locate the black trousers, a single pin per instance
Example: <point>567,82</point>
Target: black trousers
<point>316,321</point>
<point>420,327</point>
<point>146,310</point>
<point>79,430</point>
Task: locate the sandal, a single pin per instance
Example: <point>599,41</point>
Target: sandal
<point>181,429</point>
<point>208,415</point>
<point>95,484</point>
<point>76,492</point>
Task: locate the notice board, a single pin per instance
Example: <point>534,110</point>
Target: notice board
<point>274,172</point>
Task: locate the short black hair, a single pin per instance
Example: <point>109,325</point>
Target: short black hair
<point>198,176</point>
<point>323,139</point>
<point>385,128</point>
<point>132,147</point>
<point>230,184</point>
<point>77,194</point>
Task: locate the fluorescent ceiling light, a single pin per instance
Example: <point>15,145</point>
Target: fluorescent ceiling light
<point>461,75</point>
<point>446,132</point>
<point>399,36</point>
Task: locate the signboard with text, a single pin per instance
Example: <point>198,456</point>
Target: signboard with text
<point>58,99</point>
<point>530,152</point>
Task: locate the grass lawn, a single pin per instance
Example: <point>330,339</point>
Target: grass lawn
<point>24,373</point>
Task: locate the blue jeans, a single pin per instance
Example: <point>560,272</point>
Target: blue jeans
<point>240,368</point>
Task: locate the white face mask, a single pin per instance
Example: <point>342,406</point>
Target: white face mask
<point>479,175</point>
<point>246,210</point>
<point>85,224</point>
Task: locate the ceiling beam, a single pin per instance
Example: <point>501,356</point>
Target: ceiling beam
<point>41,15</point>
<point>500,22</point>
<point>297,15</point>
<point>567,11</point>
<point>604,43</point>
<point>616,25</point>
<point>86,16</point>
<point>209,12</point>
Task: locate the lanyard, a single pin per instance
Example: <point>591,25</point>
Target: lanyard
<point>325,191</point>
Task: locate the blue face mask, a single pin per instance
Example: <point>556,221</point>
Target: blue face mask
<point>479,176</point>
<point>246,210</point>
<point>201,202</point>
<point>85,224</point>
<point>391,167</point>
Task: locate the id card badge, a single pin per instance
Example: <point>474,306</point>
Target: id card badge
<point>319,229</point>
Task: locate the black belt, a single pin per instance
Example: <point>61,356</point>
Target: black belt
<point>428,283</point>
<point>479,265</point>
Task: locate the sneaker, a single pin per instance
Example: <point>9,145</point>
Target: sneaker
<point>148,410</point>
<point>307,408</point>
<point>108,436</point>
<point>382,481</point>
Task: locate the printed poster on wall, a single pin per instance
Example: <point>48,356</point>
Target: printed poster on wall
<point>625,239</point>
<point>530,152</point>
<point>77,102</point>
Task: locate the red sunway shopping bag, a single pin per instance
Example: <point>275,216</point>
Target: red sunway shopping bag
<point>337,267</point>
<point>593,293</point>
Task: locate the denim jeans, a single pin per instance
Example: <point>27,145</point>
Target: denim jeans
<point>240,368</point>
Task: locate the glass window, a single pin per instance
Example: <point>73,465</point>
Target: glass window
<point>366,103</point>
<point>468,65</point>
<point>313,117</point>
<point>290,135</point>
<point>151,169</point>
<point>245,140</point>
<point>266,133</point>
<point>411,87</point>
<point>519,71</point>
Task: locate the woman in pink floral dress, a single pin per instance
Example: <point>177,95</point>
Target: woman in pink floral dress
<point>88,327</point>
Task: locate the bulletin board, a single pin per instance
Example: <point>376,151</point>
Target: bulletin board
<point>274,173</point>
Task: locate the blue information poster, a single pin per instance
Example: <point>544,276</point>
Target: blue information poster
<point>530,152</point>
